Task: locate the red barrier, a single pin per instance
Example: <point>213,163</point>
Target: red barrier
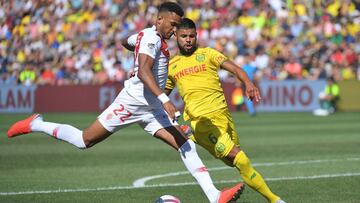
<point>17,99</point>
<point>277,96</point>
<point>74,98</point>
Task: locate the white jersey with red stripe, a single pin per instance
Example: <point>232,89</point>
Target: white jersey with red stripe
<point>148,42</point>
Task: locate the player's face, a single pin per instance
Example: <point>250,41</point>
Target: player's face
<point>167,22</point>
<point>186,40</point>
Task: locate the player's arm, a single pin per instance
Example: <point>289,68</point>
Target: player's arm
<point>146,76</point>
<point>252,92</point>
<point>129,42</point>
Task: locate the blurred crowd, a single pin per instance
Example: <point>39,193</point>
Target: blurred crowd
<point>61,42</point>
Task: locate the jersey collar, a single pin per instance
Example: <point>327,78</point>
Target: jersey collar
<point>157,33</point>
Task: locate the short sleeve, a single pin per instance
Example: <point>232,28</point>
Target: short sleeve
<point>216,57</point>
<point>150,45</point>
<point>132,40</point>
<point>169,84</point>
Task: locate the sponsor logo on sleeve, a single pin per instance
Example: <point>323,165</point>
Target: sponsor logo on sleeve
<point>220,59</point>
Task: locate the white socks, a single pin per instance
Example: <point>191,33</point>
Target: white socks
<point>197,169</point>
<point>59,131</point>
<point>187,151</point>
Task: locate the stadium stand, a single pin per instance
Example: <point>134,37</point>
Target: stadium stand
<point>62,42</point>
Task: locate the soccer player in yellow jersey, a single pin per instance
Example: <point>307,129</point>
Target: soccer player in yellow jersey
<point>194,73</point>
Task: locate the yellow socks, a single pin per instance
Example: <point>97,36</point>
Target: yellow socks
<point>252,178</point>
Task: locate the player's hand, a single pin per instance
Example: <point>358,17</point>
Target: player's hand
<point>171,110</point>
<point>252,92</point>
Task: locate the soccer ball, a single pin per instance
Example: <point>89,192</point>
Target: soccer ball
<point>167,199</point>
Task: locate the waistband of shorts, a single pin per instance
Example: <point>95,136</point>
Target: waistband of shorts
<point>210,114</point>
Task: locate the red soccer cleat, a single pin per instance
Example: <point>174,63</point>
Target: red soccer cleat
<point>231,194</point>
<point>21,127</point>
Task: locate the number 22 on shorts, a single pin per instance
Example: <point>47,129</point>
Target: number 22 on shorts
<point>120,111</point>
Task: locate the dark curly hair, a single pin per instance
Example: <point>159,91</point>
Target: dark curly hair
<point>171,7</point>
<point>186,23</point>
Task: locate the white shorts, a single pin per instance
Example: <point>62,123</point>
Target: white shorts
<point>126,110</point>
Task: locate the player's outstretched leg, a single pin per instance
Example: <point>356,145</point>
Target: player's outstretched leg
<point>198,170</point>
<point>35,123</point>
<point>231,194</point>
<point>194,165</point>
<point>253,178</point>
<point>200,173</point>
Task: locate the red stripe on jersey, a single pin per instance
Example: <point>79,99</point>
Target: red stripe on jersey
<point>55,132</point>
<point>137,45</point>
<point>164,48</point>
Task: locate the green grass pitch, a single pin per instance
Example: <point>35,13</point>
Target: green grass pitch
<point>304,158</point>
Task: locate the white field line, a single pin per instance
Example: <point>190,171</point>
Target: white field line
<point>171,185</point>
<point>141,182</point>
<point>192,183</point>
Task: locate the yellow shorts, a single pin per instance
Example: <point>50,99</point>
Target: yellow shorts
<point>216,133</point>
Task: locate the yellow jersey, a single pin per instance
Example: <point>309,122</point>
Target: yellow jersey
<point>197,81</point>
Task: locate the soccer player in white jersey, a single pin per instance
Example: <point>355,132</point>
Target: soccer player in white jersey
<point>141,101</point>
